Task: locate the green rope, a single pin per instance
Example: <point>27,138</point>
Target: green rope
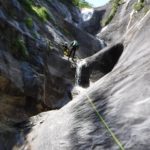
<point>117,141</point>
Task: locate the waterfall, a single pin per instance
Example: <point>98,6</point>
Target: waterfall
<point>82,74</point>
<point>80,78</point>
<point>103,44</point>
<point>86,14</point>
<point>78,71</point>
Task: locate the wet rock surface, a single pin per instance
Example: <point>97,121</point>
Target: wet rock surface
<point>34,74</point>
<point>125,17</point>
<point>35,77</point>
<point>42,74</point>
<point>121,97</point>
<point>93,25</point>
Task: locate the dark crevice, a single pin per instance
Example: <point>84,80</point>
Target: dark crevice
<point>100,63</point>
<point>110,58</point>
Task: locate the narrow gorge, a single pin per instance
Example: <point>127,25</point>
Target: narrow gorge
<point>100,101</point>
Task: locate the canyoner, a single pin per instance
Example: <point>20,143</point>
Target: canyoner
<point>73,47</point>
<point>70,84</point>
<point>69,49</point>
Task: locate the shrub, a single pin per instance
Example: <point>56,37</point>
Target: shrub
<point>29,22</point>
<point>84,4</point>
<point>79,3</point>
<point>138,6</point>
<point>40,11</point>
<point>115,4</point>
<point>19,48</point>
<point>142,1</point>
<point>146,9</point>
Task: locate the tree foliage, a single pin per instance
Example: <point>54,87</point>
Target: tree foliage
<point>114,8</point>
<point>79,3</point>
<point>82,4</point>
<point>138,5</point>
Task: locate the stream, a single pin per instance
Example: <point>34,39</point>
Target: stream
<point>82,76</point>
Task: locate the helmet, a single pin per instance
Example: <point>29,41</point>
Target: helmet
<point>65,44</point>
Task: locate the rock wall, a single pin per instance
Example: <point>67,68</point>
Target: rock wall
<point>125,17</point>
<point>121,97</point>
<point>93,25</point>
<point>35,76</point>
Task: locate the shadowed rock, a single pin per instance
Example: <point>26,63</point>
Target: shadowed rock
<point>121,97</point>
<point>98,65</point>
<point>88,43</point>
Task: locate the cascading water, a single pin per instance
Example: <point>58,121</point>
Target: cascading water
<point>79,71</point>
<point>103,44</point>
<point>80,77</point>
<point>87,14</point>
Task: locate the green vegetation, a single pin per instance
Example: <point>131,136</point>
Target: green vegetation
<point>49,45</point>
<point>19,48</point>
<point>40,11</point>
<point>115,4</point>
<point>29,22</point>
<point>146,9</point>
<point>82,4</point>
<point>79,3</point>
<point>138,5</point>
<point>142,1</point>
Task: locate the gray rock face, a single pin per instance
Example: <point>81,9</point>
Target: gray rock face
<point>103,62</point>
<point>34,75</point>
<point>42,42</point>
<point>123,20</point>
<point>121,97</point>
<point>93,25</point>
<point>96,66</point>
<point>12,100</point>
<point>86,48</point>
<point>62,10</point>
<point>76,14</point>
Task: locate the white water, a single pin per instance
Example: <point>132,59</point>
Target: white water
<point>78,70</point>
<point>78,89</point>
<point>87,13</point>
<point>102,43</point>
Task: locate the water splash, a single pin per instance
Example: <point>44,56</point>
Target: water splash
<point>77,90</point>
